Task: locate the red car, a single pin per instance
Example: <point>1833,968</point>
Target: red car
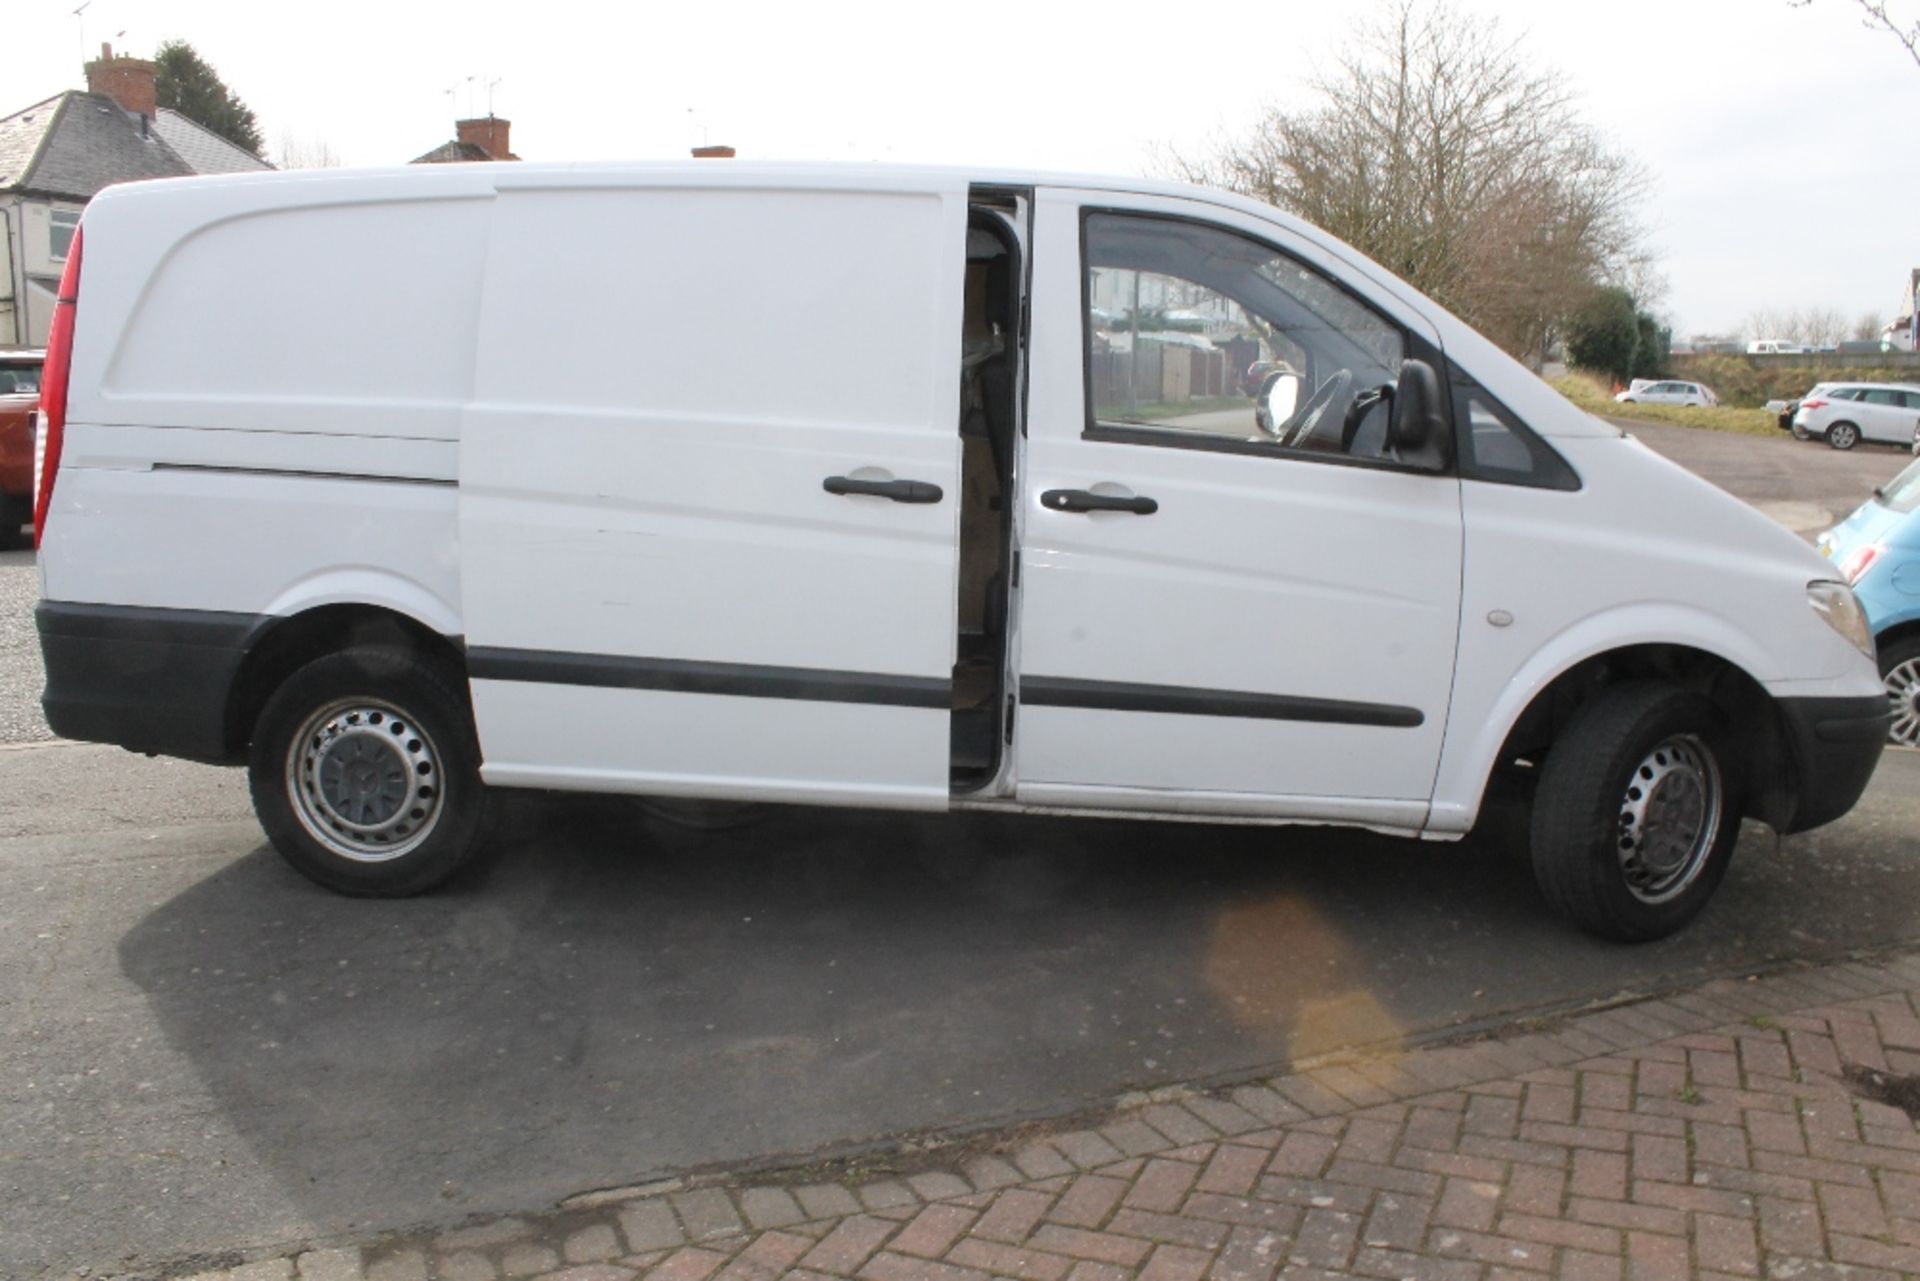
<point>19,397</point>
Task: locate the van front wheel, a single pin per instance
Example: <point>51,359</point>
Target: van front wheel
<point>1635,817</point>
<point>365,773</point>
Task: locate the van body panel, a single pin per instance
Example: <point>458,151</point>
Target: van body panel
<point>264,453</point>
<point>251,542</point>
<point>340,355</point>
<point>601,739</point>
<point>1645,552</point>
<point>658,494</point>
<point>1268,600</point>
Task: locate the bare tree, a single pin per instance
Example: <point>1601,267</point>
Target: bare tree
<point>1879,17</point>
<point>1442,150</point>
<point>1820,326</point>
<point>306,153</point>
<point>1813,326</point>
<point>1867,328</point>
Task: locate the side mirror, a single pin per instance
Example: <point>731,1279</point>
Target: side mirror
<point>1418,432</point>
<point>1276,402</point>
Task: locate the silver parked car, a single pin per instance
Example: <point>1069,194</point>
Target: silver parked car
<point>1667,391</point>
<point>1844,414</point>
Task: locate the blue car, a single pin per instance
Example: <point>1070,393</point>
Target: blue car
<point>1878,550</point>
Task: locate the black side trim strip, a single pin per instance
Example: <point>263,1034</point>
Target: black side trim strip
<point>289,473</point>
<point>1117,696</point>
<point>684,676</point>
<point>147,623</point>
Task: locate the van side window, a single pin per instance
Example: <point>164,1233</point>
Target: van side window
<point>1496,446</point>
<point>1199,336</point>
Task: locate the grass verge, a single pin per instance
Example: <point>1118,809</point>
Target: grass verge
<point>1591,395</point>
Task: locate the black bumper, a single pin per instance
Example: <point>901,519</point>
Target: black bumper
<point>149,680</point>
<point>1835,742</point>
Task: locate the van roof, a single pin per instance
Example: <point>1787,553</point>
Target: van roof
<point>734,173</point>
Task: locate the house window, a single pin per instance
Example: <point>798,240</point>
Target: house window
<point>60,231</point>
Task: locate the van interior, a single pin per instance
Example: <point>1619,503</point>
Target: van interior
<point>990,352</point>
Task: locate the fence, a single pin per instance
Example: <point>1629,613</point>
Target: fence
<point>1162,373</point>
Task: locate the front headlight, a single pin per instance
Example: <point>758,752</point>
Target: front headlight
<point>1835,602</point>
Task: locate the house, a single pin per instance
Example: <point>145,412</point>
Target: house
<point>58,153</point>
<point>482,138</point>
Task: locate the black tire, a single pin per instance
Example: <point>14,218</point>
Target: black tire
<point>389,731</point>
<point>1590,805</point>
<point>1843,436</point>
<point>1900,670</point>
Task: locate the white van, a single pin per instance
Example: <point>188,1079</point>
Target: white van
<point>860,486</point>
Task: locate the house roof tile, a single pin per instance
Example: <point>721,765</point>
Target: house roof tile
<point>20,137</point>
<point>203,150</point>
<point>449,153</point>
<point>89,144</point>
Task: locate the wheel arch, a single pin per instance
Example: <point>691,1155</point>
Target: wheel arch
<point>294,640</point>
<point>1751,715</point>
<point>1893,634</point>
<point>1669,642</point>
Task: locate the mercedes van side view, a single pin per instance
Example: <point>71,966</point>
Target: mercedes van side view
<point>926,489</point>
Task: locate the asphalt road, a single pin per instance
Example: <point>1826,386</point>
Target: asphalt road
<point>1773,470</point>
<point>203,1051</point>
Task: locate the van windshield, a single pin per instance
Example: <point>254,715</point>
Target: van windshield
<point>1902,493</point>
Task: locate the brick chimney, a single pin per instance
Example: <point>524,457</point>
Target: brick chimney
<point>713,153</point>
<point>489,133</point>
<point>128,81</point>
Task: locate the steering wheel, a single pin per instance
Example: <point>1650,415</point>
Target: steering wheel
<point>1309,415</point>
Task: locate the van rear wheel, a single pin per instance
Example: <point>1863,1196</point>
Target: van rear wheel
<point>365,772</point>
<point>1635,818</point>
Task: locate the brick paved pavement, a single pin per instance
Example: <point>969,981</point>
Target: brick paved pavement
<point>1745,1129</point>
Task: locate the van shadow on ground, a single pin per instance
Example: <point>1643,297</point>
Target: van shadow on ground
<point>615,997</point>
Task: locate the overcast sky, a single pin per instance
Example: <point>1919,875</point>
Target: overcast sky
<point>1780,139</point>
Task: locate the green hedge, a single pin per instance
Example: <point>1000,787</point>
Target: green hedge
<point>1589,391</point>
<point>1742,384</point>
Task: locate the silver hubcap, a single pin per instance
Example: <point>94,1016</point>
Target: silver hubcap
<point>365,780</point>
<point>1843,437</point>
<point>1903,694</point>
<point>1669,818</point>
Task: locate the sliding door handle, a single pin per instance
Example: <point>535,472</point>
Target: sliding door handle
<point>1085,500</point>
<point>900,491</point>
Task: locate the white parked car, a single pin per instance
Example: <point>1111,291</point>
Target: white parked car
<point>1668,391</point>
<point>942,551</point>
<point>1777,347</point>
<point>1844,414</point>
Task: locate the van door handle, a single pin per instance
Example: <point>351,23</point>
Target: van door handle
<point>900,491</point>
<point>1085,500</point>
